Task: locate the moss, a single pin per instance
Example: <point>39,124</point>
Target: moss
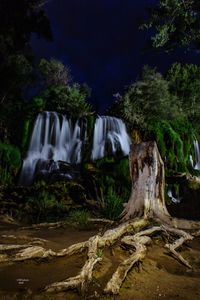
<point>175,143</point>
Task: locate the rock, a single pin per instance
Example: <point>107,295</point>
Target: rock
<point>52,171</point>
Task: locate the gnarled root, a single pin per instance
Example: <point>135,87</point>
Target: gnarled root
<point>139,242</point>
<point>81,281</point>
<point>184,236</point>
<point>130,235</point>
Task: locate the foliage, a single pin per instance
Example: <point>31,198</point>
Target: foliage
<point>112,204</point>
<point>54,72</point>
<point>184,83</point>
<point>49,202</point>
<point>107,181</point>
<point>10,159</point>
<point>38,208</point>
<point>99,252</point>
<point>18,76</point>
<point>19,19</point>
<point>58,93</point>
<point>176,23</point>
<point>66,99</point>
<point>148,100</point>
<point>175,143</point>
<point>80,219</point>
<point>113,173</point>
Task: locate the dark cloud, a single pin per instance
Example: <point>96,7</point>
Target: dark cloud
<point>101,43</point>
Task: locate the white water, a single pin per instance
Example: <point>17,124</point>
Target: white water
<point>173,199</point>
<point>196,155</point>
<point>55,138</point>
<point>109,132</point>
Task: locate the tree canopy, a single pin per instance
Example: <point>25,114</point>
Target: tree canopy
<point>19,19</point>
<point>176,23</point>
<point>59,93</point>
<point>147,100</point>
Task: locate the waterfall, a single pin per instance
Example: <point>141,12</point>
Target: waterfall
<point>196,155</point>
<point>173,199</point>
<point>110,136</point>
<point>56,139</point>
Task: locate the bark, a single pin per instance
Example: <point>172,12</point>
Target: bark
<point>148,183</point>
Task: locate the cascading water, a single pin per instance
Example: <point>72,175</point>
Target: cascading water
<point>173,199</point>
<point>55,139</point>
<point>197,155</point>
<point>110,136</point>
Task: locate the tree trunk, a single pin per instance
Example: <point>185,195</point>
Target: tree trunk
<point>148,183</point>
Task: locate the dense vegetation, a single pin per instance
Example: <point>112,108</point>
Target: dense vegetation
<point>176,24</point>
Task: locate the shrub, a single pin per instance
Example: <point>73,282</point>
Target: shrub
<point>80,219</point>
<point>10,158</point>
<point>112,204</point>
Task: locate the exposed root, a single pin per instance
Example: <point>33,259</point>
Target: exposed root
<point>184,236</point>
<point>82,280</point>
<point>31,240</point>
<point>130,235</point>
<point>5,247</point>
<point>45,225</point>
<point>64,223</point>
<point>138,241</point>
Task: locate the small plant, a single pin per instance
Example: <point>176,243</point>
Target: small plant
<point>39,208</point>
<point>80,219</point>
<point>112,204</point>
<point>10,161</point>
<point>99,253</point>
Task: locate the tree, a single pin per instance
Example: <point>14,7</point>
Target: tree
<point>184,83</point>
<point>176,24</point>
<point>148,100</point>
<point>59,93</point>
<point>54,72</point>
<point>19,19</point>
<point>148,172</point>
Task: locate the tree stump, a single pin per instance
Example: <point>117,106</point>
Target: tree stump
<point>148,183</point>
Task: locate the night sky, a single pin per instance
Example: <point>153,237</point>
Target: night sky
<point>100,42</point>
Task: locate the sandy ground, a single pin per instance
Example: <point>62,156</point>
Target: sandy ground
<point>158,277</point>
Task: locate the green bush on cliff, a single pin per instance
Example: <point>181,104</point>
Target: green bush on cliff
<point>148,100</point>
<point>175,143</point>
<point>10,162</point>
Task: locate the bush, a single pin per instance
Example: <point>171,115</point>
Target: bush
<point>112,204</point>
<point>10,162</point>
<point>80,219</point>
<point>39,208</point>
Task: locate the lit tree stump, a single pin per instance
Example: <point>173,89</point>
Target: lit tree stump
<point>148,183</point>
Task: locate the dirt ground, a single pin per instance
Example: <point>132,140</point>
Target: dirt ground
<point>159,276</point>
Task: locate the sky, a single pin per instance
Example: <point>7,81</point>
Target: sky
<point>100,41</point>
